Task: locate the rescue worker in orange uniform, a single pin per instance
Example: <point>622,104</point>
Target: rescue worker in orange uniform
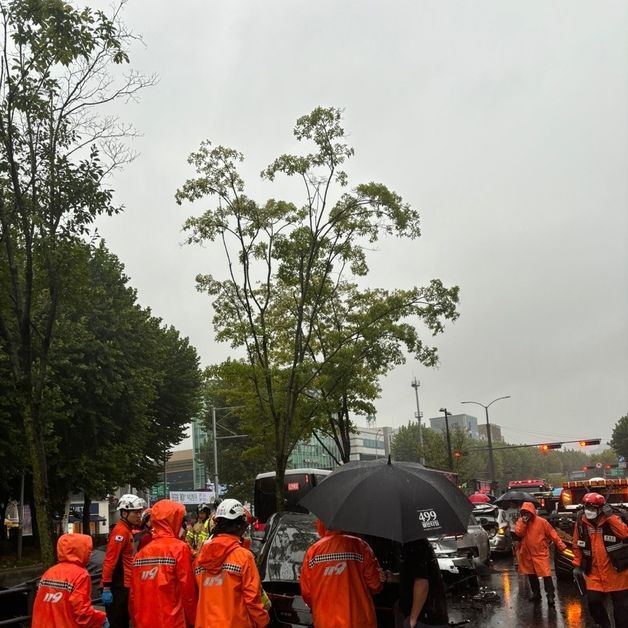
<point>64,594</point>
<point>339,576</point>
<point>116,567</point>
<point>163,591</point>
<point>601,555</point>
<point>229,586</point>
<point>534,555</point>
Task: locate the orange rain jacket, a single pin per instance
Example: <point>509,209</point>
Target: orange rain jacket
<point>603,576</point>
<point>163,591</point>
<point>534,554</point>
<point>64,596</point>
<point>339,576</point>
<point>229,585</point>
<point>116,568</point>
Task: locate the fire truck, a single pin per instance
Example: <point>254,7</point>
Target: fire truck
<point>615,491</point>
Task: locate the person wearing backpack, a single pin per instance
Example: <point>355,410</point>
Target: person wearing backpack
<point>600,547</point>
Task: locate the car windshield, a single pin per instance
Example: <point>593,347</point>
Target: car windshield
<point>292,536</point>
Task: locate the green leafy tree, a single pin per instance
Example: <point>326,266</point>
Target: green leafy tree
<point>289,266</point>
<point>121,389</point>
<point>619,438</point>
<point>55,152</point>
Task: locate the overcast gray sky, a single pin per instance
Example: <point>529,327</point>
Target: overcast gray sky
<point>504,123</point>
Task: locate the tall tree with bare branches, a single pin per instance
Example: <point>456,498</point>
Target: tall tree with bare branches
<point>290,298</point>
<point>58,68</point>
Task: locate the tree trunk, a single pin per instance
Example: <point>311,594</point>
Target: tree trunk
<point>40,484</point>
<point>87,515</point>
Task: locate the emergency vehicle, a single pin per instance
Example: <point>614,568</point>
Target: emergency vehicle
<point>615,491</point>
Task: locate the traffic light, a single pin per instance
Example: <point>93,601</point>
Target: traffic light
<point>547,446</point>
<point>591,441</point>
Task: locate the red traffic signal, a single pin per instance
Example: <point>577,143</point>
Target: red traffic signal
<point>591,441</point>
<point>547,446</point>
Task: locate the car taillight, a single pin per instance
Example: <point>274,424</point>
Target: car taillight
<point>258,526</point>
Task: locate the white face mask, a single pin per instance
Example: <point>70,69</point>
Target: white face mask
<point>590,514</point>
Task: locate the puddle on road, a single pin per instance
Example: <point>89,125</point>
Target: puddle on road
<point>512,609</point>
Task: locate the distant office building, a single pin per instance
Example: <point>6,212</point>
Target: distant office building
<point>180,470</point>
<point>314,454</point>
<point>199,446</point>
<point>368,443</point>
<point>496,433</point>
<point>464,422</point>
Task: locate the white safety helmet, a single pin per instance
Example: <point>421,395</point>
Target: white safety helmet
<point>131,502</point>
<point>229,509</point>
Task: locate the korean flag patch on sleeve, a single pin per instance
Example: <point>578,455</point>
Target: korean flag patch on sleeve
<point>118,538</point>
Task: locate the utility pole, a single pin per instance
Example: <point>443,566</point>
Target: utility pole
<point>415,384</point>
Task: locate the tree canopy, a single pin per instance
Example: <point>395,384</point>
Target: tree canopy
<point>314,342</point>
<point>55,151</point>
<point>619,438</point>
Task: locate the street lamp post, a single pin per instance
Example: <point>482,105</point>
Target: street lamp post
<point>447,415</point>
<point>415,384</point>
<point>379,429</point>
<point>491,462</point>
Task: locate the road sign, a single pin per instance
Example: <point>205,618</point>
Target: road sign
<point>598,465</point>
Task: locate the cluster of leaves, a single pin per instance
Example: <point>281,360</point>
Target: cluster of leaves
<point>619,438</point>
<point>315,343</point>
<point>119,391</point>
<point>472,464</point>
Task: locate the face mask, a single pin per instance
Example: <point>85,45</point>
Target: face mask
<point>590,514</point>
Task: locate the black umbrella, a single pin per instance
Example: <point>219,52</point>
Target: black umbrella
<point>518,497</point>
<point>402,501</point>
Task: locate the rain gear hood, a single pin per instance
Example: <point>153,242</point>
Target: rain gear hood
<point>529,508</point>
<point>214,557</point>
<point>167,518</point>
<point>74,548</point>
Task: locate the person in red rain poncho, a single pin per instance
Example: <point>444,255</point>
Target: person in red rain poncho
<point>64,595</point>
<point>339,576</point>
<point>534,556</point>
<point>116,567</point>
<point>230,589</point>
<point>163,592</point>
<point>600,550</point>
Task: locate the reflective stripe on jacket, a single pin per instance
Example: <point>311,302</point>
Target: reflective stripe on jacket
<point>533,553</point>
<point>64,595</point>
<point>339,576</point>
<point>602,576</point>
<point>229,586</point>
<point>163,591</point>
<point>116,567</point>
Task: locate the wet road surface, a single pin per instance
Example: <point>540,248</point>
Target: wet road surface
<point>513,610</point>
